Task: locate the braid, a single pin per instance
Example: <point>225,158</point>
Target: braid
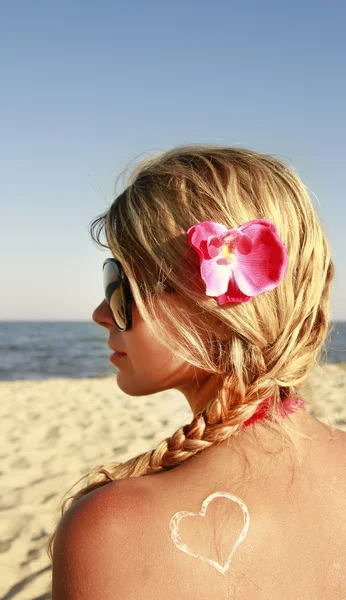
<point>217,422</point>
<point>205,429</point>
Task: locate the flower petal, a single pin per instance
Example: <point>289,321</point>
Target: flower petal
<point>216,275</point>
<point>244,244</point>
<point>213,246</point>
<point>233,294</point>
<point>198,236</point>
<point>263,222</point>
<point>264,267</point>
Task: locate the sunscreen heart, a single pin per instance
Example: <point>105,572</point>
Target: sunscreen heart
<point>174,525</point>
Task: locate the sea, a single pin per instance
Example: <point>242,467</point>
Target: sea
<point>33,350</point>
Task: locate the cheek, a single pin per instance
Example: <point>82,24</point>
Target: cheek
<point>148,369</point>
<point>148,355</point>
<point>143,349</point>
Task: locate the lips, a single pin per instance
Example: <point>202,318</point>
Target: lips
<point>117,357</point>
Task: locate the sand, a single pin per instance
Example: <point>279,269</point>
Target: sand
<point>54,431</point>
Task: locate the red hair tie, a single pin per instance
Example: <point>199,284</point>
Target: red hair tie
<point>288,406</point>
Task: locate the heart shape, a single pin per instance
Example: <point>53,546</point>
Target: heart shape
<point>174,524</point>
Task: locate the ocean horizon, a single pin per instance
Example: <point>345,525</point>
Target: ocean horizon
<point>34,350</point>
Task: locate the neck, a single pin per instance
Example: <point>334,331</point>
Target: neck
<point>201,390</point>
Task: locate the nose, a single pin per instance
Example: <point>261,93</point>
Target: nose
<point>103,315</point>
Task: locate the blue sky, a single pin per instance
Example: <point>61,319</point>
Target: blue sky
<point>86,87</point>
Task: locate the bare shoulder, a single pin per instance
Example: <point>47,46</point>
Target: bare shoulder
<point>117,541</point>
<point>96,543</point>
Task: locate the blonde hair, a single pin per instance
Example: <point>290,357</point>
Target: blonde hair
<point>269,345</point>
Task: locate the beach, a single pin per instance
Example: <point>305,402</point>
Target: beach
<point>54,431</point>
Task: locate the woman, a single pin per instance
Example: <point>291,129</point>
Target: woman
<point>218,286</point>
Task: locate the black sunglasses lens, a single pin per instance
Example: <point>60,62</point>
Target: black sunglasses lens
<point>114,293</point>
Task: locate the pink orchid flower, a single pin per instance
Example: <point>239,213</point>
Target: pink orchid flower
<point>238,264</point>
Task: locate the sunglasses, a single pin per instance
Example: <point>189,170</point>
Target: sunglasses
<point>118,293</point>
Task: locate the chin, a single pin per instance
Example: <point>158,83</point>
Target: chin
<point>129,386</point>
